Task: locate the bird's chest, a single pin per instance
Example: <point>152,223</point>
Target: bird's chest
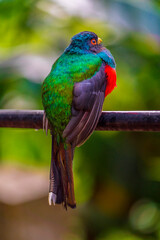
<point>110,78</point>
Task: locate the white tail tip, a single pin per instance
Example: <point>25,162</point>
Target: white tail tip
<point>52,198</point>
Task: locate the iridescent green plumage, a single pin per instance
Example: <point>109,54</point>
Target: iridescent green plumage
<point>58,86</point>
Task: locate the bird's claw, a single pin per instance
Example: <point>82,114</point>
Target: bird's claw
<point>52,198</point>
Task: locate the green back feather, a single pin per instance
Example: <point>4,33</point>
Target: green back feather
<point>57,89</point>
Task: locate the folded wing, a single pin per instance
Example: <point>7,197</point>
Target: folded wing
<point>88,98</point>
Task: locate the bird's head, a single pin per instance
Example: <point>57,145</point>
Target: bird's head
<point>85,42</point>
<point>88,42</point>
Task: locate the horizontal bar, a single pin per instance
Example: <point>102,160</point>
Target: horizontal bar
<point>21,118</point>
<point>130,121</point>
<point>109,121</point>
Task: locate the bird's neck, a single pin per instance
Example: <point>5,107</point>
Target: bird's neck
<point>76,49</point>
<point>107,57</point>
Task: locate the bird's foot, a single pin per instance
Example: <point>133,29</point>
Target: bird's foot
<point>52,198</point>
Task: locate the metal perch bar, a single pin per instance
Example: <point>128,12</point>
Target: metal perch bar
<point>109,121</point>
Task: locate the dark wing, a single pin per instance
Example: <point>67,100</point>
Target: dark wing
<point>88,98</point>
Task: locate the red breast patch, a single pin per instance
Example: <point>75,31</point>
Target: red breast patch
<point>111,79</point>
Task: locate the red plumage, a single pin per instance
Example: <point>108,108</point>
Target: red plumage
<point>111,79</point>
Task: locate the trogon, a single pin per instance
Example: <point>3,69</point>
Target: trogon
<point>72,95</point>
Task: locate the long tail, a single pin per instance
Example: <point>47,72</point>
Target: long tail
<point>61,189</point>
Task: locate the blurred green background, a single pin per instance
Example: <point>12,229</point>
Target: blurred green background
<point>117,174</point>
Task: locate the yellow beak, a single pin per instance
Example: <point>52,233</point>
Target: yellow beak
<point>99,40</point>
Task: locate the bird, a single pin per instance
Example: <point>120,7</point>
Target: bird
<point>72,96</point>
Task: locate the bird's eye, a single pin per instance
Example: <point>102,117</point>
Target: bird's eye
<point>93,41</point>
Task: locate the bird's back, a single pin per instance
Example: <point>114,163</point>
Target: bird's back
<point>57,89</point>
